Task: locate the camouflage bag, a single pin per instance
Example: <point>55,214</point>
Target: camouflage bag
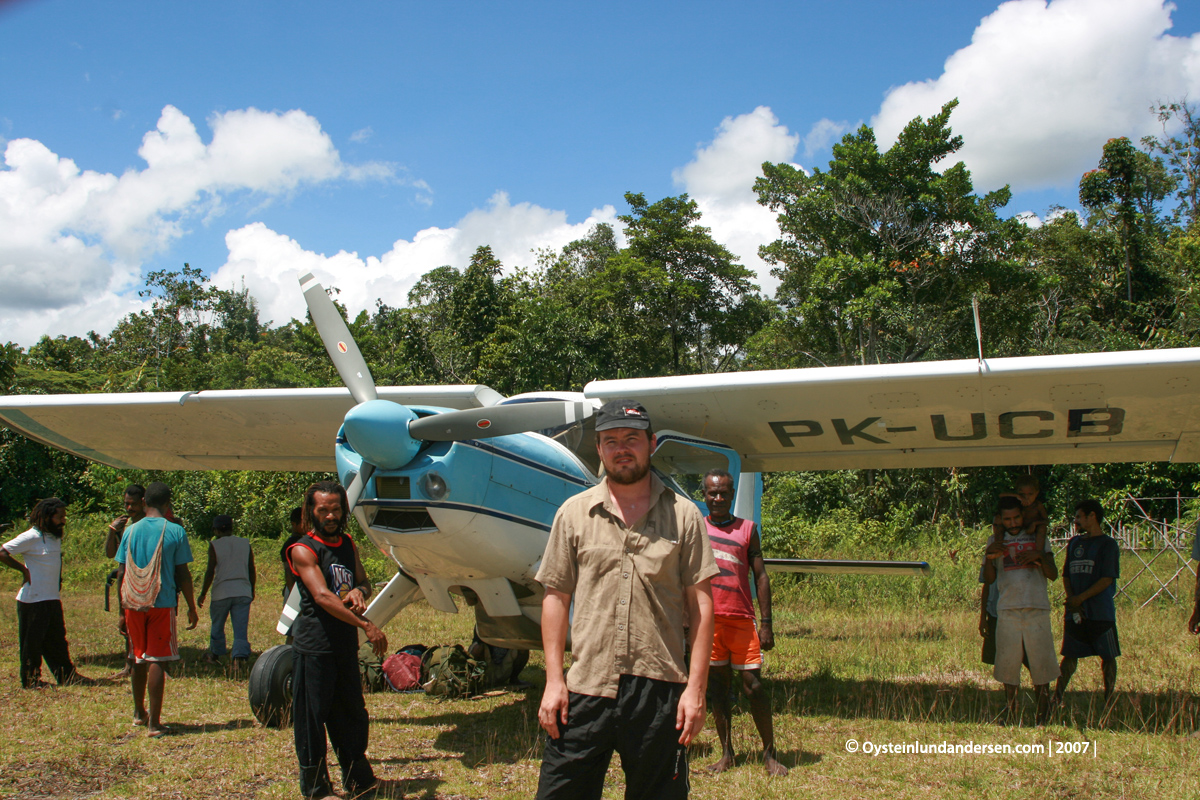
<point>448,672</point>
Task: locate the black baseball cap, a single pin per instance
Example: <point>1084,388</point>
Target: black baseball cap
<point>222,522</point>
<point>622,414</point>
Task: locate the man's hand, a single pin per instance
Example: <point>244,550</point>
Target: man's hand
<point>118,525</point>
<point>689,717</point>
<point>1074,602</point>
<point>983,625</point>
<point>355,601</point>
<point>200,601</point>
<point>193,618</point>
<point>766,637</point>
<point>554,707</point>
<point>995,550</point>
<point>1194,622</point>
<point>1029,557</point>
<point>376,637</point>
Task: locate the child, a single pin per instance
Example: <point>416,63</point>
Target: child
<point>232,576</point>
<point>1018,574</point>
<point>1027,489</point>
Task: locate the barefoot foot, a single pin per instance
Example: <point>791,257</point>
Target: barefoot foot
<point>725,763</point>
<point>774,768</point>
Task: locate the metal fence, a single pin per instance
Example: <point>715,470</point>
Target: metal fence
<point>1155,553</point>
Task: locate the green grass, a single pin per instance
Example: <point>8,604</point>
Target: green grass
<point>869,660</point>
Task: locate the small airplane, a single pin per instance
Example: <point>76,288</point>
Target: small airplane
<point>459,485</point>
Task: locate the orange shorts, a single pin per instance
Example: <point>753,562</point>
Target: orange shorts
<point>735,642</point>
<point>152,634</point>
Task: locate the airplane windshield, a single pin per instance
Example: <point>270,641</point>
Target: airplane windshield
<point>568,435</point>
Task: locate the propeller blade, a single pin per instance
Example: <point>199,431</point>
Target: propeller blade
<point>338,342</point>
<point>502,420</point>
<point>355,489</point>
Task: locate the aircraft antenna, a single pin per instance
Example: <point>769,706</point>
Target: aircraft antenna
<point>978,329</point>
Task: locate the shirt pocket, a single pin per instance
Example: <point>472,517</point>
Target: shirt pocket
<point>657,556</point>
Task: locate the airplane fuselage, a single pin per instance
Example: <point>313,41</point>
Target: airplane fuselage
<point>470,519</point>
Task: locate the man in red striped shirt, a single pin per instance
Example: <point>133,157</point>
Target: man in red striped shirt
<point>737,645</point>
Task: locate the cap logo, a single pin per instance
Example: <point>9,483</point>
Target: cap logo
<point>483,423</point>
<point>341,347</point>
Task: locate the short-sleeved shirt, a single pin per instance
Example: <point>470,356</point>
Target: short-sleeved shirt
<point>43,558</point>
<point>139,541</point>
<point>1090,558</point>
<point>1019,586</point>
<point>628,585</point>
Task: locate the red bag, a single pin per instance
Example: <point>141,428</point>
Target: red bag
<point>402,671</point>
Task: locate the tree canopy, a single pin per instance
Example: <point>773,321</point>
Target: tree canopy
<point>881,256</point>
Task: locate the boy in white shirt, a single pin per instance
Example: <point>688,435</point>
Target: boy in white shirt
<point>1018,573</point>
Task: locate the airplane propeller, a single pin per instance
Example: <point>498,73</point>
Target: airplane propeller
<point>347,358</point>
<point>481,423</point>
<point>387,434</point>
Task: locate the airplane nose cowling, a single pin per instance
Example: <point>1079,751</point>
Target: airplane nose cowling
<point>378,431</point>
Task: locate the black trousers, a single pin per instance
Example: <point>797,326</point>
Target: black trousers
<point>327,696</point>
<point>639,724</point>
<point>41,633</point>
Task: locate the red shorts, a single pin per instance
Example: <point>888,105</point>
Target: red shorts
<point>735,642</point>
<point>152,634</point>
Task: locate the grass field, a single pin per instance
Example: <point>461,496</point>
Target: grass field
<point>867,661</point>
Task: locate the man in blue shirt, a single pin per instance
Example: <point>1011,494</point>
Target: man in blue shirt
<point>152,629</point>
<point>1092,566</point>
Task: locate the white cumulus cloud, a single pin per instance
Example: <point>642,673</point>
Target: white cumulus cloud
<point>268,263</point>
<point>721,180</point>
<point>72,241</point>
<point>822,134</point>
<point>1043,85</point>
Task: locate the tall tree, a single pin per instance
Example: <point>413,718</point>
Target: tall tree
<point>688,285</point>
<point>1182,155</point>
<point>880,254</point>
<point>1124,192</point>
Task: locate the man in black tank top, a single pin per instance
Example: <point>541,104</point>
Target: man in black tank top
<point>326,688</point>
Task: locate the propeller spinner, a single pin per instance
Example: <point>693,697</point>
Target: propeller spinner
<point>388,435</point>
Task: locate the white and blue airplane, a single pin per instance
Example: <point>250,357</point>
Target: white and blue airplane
<point>459,485</point>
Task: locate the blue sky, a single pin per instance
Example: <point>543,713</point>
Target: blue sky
<point>374,141</point>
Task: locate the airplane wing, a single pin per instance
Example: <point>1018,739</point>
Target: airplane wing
<point>257,429</point>
<point>827,566</point>
<point>1096,407</point>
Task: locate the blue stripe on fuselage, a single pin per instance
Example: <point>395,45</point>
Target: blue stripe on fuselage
<point>491,512</point>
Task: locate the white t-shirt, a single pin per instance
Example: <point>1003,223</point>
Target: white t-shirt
<point>1020,586</point>
<point>43,559</point>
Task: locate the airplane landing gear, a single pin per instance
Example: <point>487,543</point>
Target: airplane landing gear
<point>271,687</point>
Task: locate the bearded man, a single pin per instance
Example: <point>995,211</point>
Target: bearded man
<point>635,558</point>
<point>41,631</point>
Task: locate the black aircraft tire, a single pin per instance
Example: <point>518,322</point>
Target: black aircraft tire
<point>271,687</point>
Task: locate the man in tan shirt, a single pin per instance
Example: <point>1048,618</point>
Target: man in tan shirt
<point>636,559</point>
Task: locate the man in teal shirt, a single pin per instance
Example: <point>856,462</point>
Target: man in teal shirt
<point>152,630</point>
